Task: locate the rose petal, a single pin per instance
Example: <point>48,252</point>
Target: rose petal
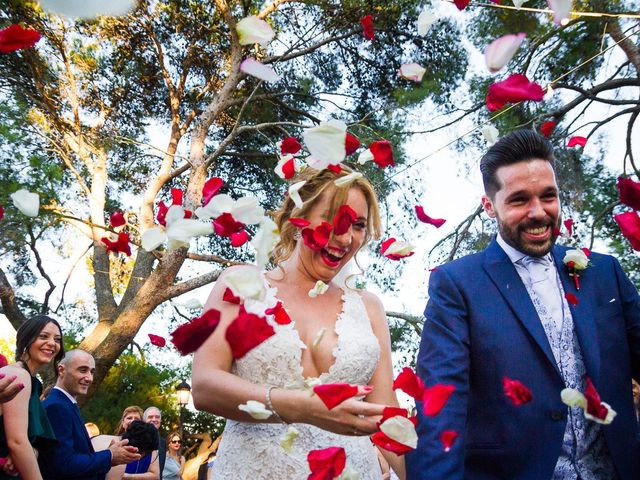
<point>347,180</point>
<point>3,361</point>
<point>499,52</point>
<point>88,9</point>
<point>152,238</point>
<point>577,141</point>
<point>254,30</point>
<point>629,224</point>
<point>382,153</point>
<point>279,313</point>
<point>326,464</point>
<point>121,245</point>
<point>240,238</point>
<point>573,398</point>
<point>423,217</point>
<point>571,298</point>
<point>400,429</point>
<point>333,394</point>
<point>461,4</point>
<point>180,232</point>
<point>229,297</point>
<point>395,249</point>
<point>412,71</point>
<point>435,398</point>
<point>245,282</point>
<point>547,128</point>
<point>286,441</point>
<point>290,145</point>
<point>568,224</point>
<point>116,219</point>
<point>365,157</point>
<point>409,383</point>
<point>1,212</point>
<point>490,134</point>
<point>383,441</point>
<point>561,10</point>
<point>319,336</point>
<point>516,88</point>
<point>253,67</point>
<point>225,225</point>
<point>16,37</point>
<point>189,337</point>
<point>351,144</point>
<point>157,340</point>
<point>343,219</point>
<point>265,240</point>
<point>447,438</point>
<point>210,189</point>
<point>320,288</point>
<point>629,192</point>
<point>247,210</point>
<point>257,410</point>
<point>335,168</point>
<point>516,391</point>
<point>246,332</point>
<point>27,202</point>
<point>294,195</point>
<point>286,167</point>
<point>518,3</point>
<point>425,20</point>
<point>367,27</point>
<point>299,222</point>
<point>327,142</point>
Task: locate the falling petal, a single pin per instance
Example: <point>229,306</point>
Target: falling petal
<point>409,383</point>
<point>518,3</point>
<point>516,391</point>
<point>246,332</point>
<point>490,134</point>
<point>152,238</point>
<point>447,438</point>
<point>245,282</point>
<point>629,192</point>
<point>568,224</point>
<point>351,143</point>
<point>577,141</point>
<point>516,88</point>
<point>561,10</point>
<point>254,30</point>
<point>327,463</point>
<point>571,298</point>
<point>435,398</point>
<point>116,219</point>
<point>180,232</point>
<point>425,20</point>
<point>333,394</point>
<point>265,240</point>
<point>400,429</point>
<point>365,157</point>
<point>15,37</point>
<point>257,410</point>
<point>499,52</point>
<point>189,337</point>
<point>395,249</point>
<point>382,153</point>
<point>319,337</point>
<point>367,27</point>
<point>286,167</point>
<point>318,289</point>
<point>87,8</point>
<point>286,441</point>
<point>412,71</point>
<point>210,189</point>
<point>547,128</point>
<point>27,202</point>
<point>326,143</point>
<point>289,145</point>
<point>347,180</point>
<point>295,195</point>
<point>157,340</point>
<point>252,67</point>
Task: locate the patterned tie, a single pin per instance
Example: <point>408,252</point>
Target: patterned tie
<point>543,285</point>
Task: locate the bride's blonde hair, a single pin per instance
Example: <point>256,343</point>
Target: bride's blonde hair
<point>319,183</point>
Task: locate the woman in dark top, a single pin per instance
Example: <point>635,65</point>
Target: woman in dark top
<point>24,425</point>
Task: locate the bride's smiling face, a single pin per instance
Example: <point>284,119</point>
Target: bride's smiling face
<point>326,263</point>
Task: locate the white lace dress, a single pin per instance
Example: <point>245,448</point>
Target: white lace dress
<point>252,451</point>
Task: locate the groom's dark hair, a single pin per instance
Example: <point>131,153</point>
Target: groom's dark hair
<point>519,146</point>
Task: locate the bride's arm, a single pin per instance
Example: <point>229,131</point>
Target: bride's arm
<point>218,391</point>
<point>382,380</point>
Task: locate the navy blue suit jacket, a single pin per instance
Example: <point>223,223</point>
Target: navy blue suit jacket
<point>482,326</point>
<point>72,456</point>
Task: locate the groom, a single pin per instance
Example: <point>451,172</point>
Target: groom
<point>504,313</point>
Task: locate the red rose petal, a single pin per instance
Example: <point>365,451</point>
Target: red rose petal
<point>629,192</point>
<point>119,246</point>
<point>344,218</point>
<point>547,128</point>
<point>516,391</point>
<point>299,222</point>
<point>391,256</point>
<point>381,440</point>
<point>586,251</point>
<point>571,298</point>
<point>239,238</point>
<point>333,394</point>
<point>246,332</point>
<point>157,340</point>
<point>289,169</point>
<point>461,4</point>
<point>1,212</point>
<point>162,213</point>
<point>229,297</point>
<point>594,404</point>
<point>280,314</point>
<point>409,383</point>
<point>225,225</point>
<point>629,224</point>
<point>335,168</point>
<point>290,145</point>
<point>423,217</point>
<point>176,195</point>
<point>577,141</point>
<point>382,153</point>
<point>367,27</point>
<point>435,398</point>
<point>317,238</point>
<point>568,224</point>
<point>189,337</point>
<point>15,37</point>
<point>447,438</point>
<point>117,219</point>
<point>3,361</point>
<point>326,464</point>
<point>210,189</point>
<point>516,88</point>
<point>351,143</point>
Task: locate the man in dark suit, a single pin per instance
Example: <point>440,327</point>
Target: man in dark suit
<point>72,456</point>
<point>505,313</point>
<point>153,415</point>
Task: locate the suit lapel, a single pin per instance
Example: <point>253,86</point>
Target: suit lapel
<point>77,418</point>
<point>504,275</point>
<point>582,313</point>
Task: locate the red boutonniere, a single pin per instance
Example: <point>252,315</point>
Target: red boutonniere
<point>576,260</point>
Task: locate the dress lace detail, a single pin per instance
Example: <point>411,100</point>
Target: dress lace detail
<point>251,451</point>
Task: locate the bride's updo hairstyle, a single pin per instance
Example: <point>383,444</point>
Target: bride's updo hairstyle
<point>321,183</point>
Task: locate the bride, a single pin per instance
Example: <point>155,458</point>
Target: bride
<point>339,336</point>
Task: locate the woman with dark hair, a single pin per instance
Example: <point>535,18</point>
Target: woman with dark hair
<point>339,335</point>
<point>25,426</point>
<point>174,465</point>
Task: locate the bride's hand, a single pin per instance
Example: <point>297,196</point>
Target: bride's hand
<point>352,417</point>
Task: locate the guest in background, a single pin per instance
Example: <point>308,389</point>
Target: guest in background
<point>129,414</point>
<point>144,437</point>
<point>174,465</point>
<point>24,425</point>
<point>153,415</point>
<point>147,467</point>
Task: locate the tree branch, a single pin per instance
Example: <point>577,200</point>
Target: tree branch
<point>191,284</point>
<point>9,305</point>
<point>413,320</point>
<point>32,245</point>
<point>311,48</point>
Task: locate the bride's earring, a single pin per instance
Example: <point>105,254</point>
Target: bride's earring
<point>297,236</point>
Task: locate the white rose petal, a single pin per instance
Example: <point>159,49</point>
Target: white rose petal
<point>412,71</point>
<point>245,282</point>
<point>265,240</point>
<point>400,429</point>
<point>192,304</point>
<point>349,474</point>
<point>490,134</point>
<point>180,232</point>
<point>286,441</point>
<point>311,382</point>
<point>88,8</point>
<point>326,142</point>
<point>175,212</point>
<point>519,3</point>
<point>152,238</point>
<point>294,195</point>
<point>319,288</point>
<point>218,205</point>
<point>257,410</point>
<point>252,67</point>
<point>254,30</point>
<point>578,257</point>
<point>248,210</point>
<point>561,11</point>
<point>399,248</point>
<point>425,20</point>
<point>27,202</point>
<point>573,398</point>
<point>365,157</point>
<point>347,179</point>
<point>499,52</point>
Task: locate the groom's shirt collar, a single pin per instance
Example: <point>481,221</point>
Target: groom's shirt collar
<point>514,255</point>
<point>73,400</point>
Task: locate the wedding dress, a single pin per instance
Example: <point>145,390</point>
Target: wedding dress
<point>252,451</point>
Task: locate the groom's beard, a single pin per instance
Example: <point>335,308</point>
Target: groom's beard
<point>515,236</point>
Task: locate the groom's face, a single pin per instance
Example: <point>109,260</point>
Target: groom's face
<point>526,206</point>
